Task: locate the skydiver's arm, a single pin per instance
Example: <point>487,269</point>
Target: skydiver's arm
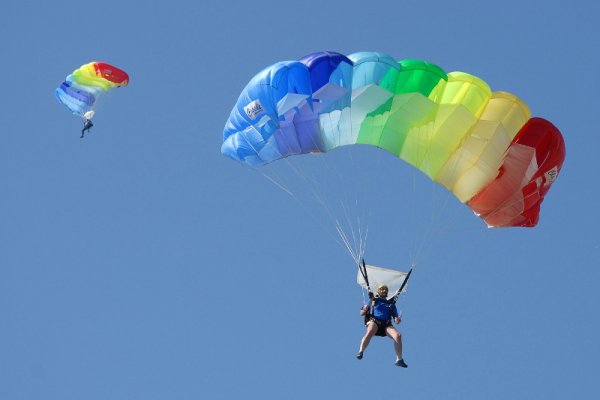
<point>397,319</point>
<point>364,310</point>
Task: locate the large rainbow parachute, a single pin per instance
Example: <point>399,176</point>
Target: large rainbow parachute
<point>81,89</point>
<point>483,146</point>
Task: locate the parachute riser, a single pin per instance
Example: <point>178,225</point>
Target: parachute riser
<point>363,271</point>
<point>399,291</point>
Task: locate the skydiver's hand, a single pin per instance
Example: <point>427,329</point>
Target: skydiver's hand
<point>397,320</point>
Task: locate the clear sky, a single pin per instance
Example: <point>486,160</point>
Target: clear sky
<point>139,263</point>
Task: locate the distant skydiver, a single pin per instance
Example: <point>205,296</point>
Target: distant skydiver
<point>87,125</point>
<point>378,316</point>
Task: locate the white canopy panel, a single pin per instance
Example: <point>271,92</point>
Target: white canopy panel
<point>379,276</point>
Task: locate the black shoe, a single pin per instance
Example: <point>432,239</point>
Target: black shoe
<point>401,363</point>
<point>359,355</point>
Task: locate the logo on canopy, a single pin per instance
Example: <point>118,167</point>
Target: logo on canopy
<point>254,109</point>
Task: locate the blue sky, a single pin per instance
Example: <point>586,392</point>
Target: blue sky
<point>139,263</point>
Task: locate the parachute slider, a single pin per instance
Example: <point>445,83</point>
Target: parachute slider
<point>371,275</point>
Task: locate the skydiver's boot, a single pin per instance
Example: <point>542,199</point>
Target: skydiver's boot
<point>401,363</point>
<point>359,355</point>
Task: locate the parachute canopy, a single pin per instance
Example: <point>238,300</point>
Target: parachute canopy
<point>81,90</point>
<point>483,146</point>
<point>379,276</point>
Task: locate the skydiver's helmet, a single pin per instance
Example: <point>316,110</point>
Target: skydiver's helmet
<point>382,291</point>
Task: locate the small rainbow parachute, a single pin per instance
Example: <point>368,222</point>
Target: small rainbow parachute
<point>81,90</point>
<point>483,146</point>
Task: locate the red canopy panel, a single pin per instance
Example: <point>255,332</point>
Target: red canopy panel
<point>532,164</point>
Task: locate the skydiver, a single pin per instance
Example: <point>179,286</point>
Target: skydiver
<point>379,316</point>
<point>87,125</point>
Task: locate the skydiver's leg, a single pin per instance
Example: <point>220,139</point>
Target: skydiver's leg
<point>371,330</point>
<point>397,338</point>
